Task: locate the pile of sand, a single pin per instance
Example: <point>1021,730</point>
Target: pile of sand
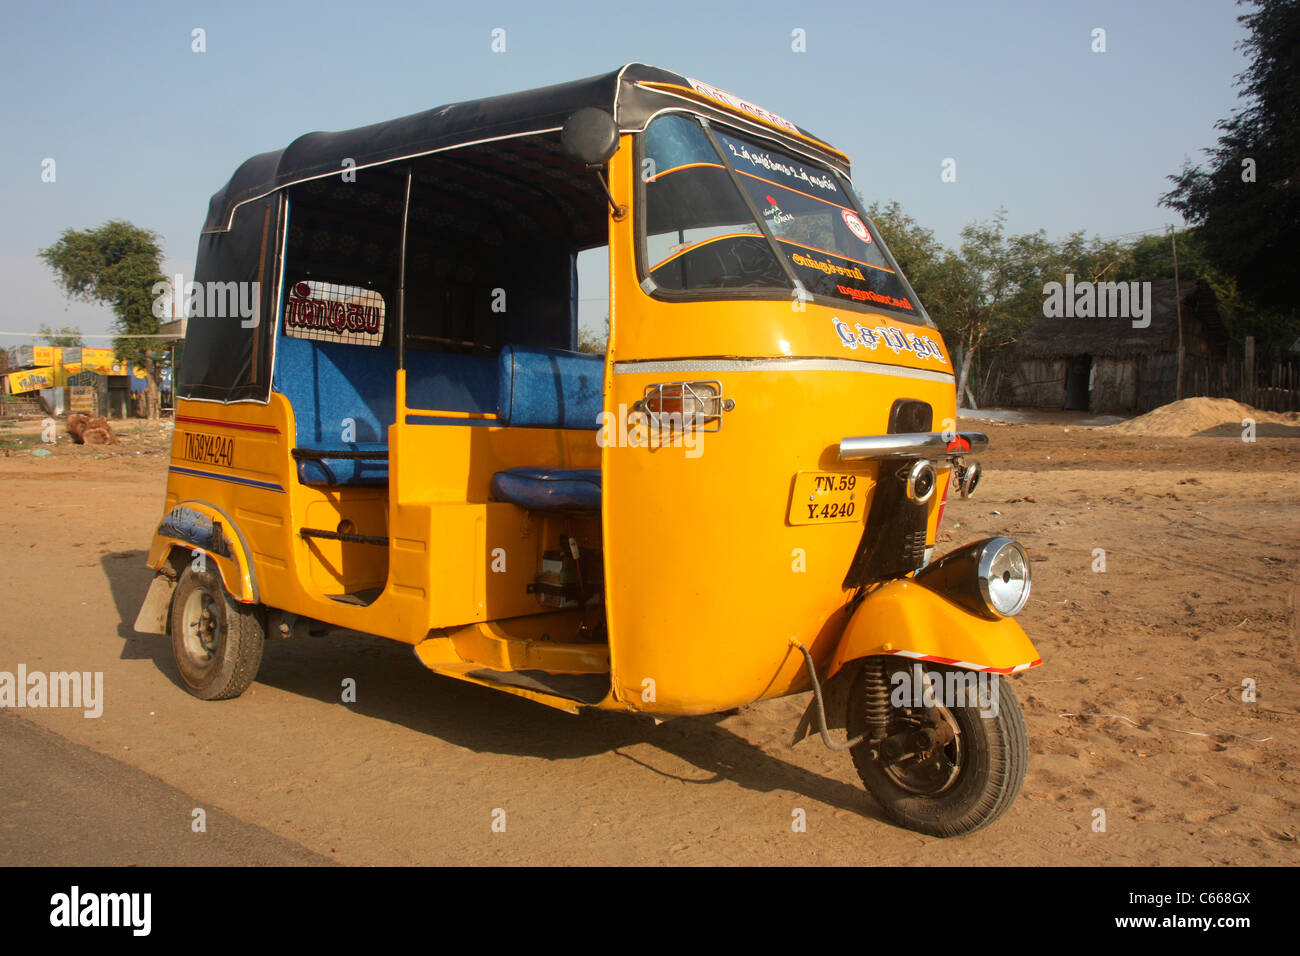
<point>1191,416</point>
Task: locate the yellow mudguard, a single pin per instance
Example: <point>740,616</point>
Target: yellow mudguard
<point>199,526</point>
<point>904,618</point>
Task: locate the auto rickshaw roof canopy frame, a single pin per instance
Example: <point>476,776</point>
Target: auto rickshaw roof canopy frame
<point>632,95</point>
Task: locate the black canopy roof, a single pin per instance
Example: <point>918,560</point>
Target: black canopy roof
<point>632,95</point>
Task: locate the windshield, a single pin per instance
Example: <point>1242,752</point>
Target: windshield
<point>702,235</point>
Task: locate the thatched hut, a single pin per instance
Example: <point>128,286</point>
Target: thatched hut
<point>1105,364</point>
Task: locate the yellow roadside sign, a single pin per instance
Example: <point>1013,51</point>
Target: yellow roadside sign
<point>29,380</point>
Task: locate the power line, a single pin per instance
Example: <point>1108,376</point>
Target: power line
<point>97,335</point>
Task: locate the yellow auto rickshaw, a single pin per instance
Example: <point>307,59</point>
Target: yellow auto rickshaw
<point>383,424</point>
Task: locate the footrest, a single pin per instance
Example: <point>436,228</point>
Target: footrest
<point>550,489</point>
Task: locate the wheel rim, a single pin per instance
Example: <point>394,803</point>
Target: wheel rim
<point>930,770</point>
<point>201,628</point>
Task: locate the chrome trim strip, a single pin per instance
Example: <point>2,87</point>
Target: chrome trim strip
<point>907,445</point>
<point>675,366</point>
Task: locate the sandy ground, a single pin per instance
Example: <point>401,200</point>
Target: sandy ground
<point>1137,710</point>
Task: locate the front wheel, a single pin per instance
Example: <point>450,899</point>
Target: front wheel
<point>944,750</point>
<point>216,640</point>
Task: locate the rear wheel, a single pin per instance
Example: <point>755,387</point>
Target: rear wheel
<point>217,642</point>
<point>943,763</point>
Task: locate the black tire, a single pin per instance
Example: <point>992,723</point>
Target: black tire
<point>955,786</point>
<point>217,642</point>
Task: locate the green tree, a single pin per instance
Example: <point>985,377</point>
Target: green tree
<point>990,290</point>
<point>117,264</point>
<point>65,335</point>
<point>918,253</point>
<point>982,295</point>
<point>593,341</point>
<point>1091,260</point>
<point>1246,199</point>
<point>1152,257</point>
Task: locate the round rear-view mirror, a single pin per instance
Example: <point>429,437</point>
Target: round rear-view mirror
<point>590,135</point>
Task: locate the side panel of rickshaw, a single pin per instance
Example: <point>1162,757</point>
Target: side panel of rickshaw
<point>439,571</point>
<point>232,459</point>
<point>254,485</point>
<point>471,559</point>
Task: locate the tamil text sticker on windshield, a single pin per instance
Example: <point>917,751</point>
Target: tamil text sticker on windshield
<point>827,242</point>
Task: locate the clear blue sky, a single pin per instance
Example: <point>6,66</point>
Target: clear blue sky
<point>144,129</point>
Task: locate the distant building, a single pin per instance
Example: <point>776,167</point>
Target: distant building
<point>67,379</point>
<point>1105,365</point>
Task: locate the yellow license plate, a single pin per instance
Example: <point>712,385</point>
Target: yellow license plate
<point>821,497</point>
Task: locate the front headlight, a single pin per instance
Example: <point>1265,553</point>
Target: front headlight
<point>990,577</point>
<point>1004,576</point>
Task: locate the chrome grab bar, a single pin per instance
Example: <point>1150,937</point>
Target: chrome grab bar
<point>911,445</point>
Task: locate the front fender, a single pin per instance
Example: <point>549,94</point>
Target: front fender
<point>909,620</point>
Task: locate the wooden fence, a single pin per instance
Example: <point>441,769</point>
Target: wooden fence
<point>1272,388</point>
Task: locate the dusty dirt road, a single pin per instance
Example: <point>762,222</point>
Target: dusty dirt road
<point>1137,710</point>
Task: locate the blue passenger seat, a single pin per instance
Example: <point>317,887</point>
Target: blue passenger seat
<point>339,390</point>
<point>336,388</point>
<point>549,388</point>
